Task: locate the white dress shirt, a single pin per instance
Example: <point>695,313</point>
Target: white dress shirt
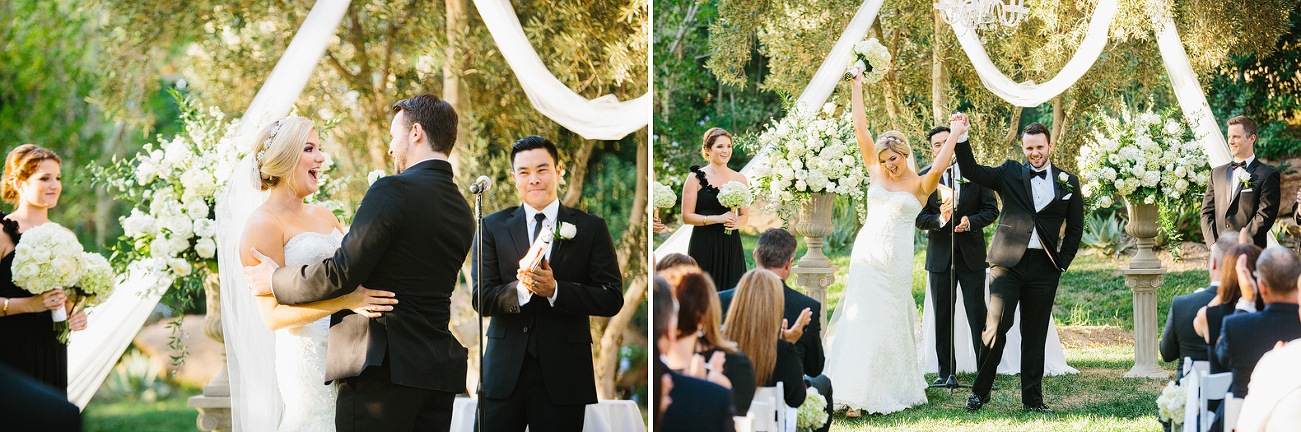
<point>957,189</point>
<point>1239,171</point>
<point>551,212</point>
<point>1042,190</point>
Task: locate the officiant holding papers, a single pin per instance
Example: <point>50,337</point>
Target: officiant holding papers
<point>955,217</point>
<point>538,362</point>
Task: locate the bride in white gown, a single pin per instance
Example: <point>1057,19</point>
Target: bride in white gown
<point>871,344</point>
<point>285,229</point>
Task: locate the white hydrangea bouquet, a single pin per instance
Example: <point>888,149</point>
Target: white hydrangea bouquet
<point>172,186</point>
<point>735,195</point>
<point>811,414</point>
<point>869,58</point>
<point>49,257</point>
<point>663,196</point>
<point>1170,405</point>
<point>806,153</point>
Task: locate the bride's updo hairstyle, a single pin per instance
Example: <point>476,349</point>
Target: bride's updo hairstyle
<point>895,141</point>
<point>277,150</point>
<point>21,163</point>
<point>711,135</point>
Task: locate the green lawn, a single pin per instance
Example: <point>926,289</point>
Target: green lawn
<point>163,416</point>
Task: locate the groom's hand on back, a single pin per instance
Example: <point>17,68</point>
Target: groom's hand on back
<point>259,276</point>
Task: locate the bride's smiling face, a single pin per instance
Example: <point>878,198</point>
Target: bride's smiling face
<point>307,172</point>
<point>892,162</point>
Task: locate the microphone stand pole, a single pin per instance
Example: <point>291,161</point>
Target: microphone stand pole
<point>478,293</point>
<point>952,382</point>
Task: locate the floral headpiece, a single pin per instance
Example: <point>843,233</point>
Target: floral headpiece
<point>266,144</point>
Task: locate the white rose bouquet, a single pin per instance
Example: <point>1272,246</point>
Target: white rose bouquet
<point>811,414</point>
<point>735,195</point>
<point>869,58</point>
<point>48,257</point>
<point>1170,405</point>
<point>806,153</point>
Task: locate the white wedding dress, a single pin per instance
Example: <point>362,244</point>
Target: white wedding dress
<point>300,351</point>
<point>871,340</point>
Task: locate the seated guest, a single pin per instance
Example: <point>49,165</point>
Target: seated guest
<point>1179,339</point>
<point>698,332</point>
<point>1245,337</point>
<point>691,404</point>
<point>1275,392</point>
<point>754,321</point>
<point>1210,317</point>
<point>775,252</point>
<point>29,405</point>
<point>674,260</point>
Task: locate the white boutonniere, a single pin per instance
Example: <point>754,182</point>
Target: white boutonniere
<point>373,176</point>
<point>1244,178</point>
<point>1064,181</point>
<point>567,232</point>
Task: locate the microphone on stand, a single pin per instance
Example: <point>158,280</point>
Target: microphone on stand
<point>481,185</point>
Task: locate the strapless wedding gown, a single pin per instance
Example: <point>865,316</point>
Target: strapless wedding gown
<point>300,351</point>
<point>871,340</point>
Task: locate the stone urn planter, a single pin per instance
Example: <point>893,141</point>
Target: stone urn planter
<point>814,271</point>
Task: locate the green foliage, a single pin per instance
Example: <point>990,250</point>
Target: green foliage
<point>135,378</point>
<point>1104,235</point>
<point>1263,85</point>
<point>608,193</point>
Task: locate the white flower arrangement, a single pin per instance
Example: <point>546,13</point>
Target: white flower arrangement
<point>49,257</point>
<point>1170,405</point>
<point>806,153</point>
<point>812,413</point>
<point>869,58</point>
<point>1150,158</point>
<point>663,196</point>
<point>735,195</point>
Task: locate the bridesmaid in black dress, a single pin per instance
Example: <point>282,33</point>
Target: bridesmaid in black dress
<point>30,345</point>
<point>719,254</point>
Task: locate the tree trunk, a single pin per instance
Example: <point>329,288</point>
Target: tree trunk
<point>939,77</point>
<point>1014,126</point>
<point>577,173</point>
<point>887,82</point>
<point>452,70</point>
<point>632,250</point>
<point>1059,117</point>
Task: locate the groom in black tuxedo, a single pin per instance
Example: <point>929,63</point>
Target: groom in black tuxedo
<point>962,229</point>
<point>538,363</point>
<point>1230,203</point>
<point>1026,259</point>
<point>411,233</point>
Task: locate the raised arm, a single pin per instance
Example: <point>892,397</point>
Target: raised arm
<point>989,177</point>
<point>866,145</point>
<point>931,179</point>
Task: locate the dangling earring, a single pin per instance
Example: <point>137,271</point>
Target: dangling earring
<point>700,333</point>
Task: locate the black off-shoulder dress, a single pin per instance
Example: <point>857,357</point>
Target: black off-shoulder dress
<point>28,342</point>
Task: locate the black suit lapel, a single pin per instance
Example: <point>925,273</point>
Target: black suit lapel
<point>563,216</point>
<point>1251,174</point>
<point>518,229</point>
<point>1029,191</point>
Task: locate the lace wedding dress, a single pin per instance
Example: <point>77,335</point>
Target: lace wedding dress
<point>871,342</point>
<point>300,351</point>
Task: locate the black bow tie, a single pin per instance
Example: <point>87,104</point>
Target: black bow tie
<point>1041,174</point>
<point>1236,165</point>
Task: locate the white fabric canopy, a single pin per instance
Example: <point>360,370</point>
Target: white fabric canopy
<point>603,118</point>
<point>1192,100</point>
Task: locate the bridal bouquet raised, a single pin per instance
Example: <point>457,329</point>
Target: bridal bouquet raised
<point>805,153</point>
<point>1170,405</point>
<point>735,195</point>
<point>812,414</point>
<point>869,58</point>
<point>49,257</point>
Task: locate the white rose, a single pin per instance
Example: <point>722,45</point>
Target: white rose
<point>568,230</point>
<point>27,272</point>
<point>161,247</point>
<point>69,267</point>
<point>179,245</point>
<point>205,227</point>
<point>22,252</point>
<point>205,247</point>
<point>1104,201</point>
<point>179,266</point>
<point>197,208</point>
<point>181,226</point>
<point>373,176</point>
<point>1151,199</point>
<point>800,185</point>
<point>41,254</point>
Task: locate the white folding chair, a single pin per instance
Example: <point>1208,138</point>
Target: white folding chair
<point>760,416</point>
<point>1232,407</point>
<point>776,404</point>
<point>1213,387</point>
<point>743,423</point>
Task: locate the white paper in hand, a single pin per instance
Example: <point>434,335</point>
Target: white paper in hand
<point>539,249</point>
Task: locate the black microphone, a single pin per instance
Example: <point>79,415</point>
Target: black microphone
<point>481,185</point>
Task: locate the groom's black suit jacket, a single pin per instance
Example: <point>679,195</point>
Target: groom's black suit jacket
<point>410,236</point>
<point>1255,207</point>
<point>1019,218</point>
<point>977,203</point>
<point>588,283</point>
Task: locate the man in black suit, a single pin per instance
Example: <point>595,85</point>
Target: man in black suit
<point>1180,339</point>
<point>538,363</point>
<point>692,404</point>
<point>410,235</point>
<point>30,405</point>
<point>775,252</point>
<point>1040,201</point>
<point>1245,337</point>
<point>1243,193</point>
<point>976,208</point>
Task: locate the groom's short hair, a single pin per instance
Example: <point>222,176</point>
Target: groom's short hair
<point>1037,129</point>
<point>534,142</point>
<point>775,248</point>
<point>436,117</point>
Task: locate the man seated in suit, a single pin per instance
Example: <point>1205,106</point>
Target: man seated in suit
<point>1275,392</point>
<point>1179,339</point>
<point>691,404</point>
<point>538,362</point>
<point>802,325</point>
<point>28,404</point>
<point>1245,337</point>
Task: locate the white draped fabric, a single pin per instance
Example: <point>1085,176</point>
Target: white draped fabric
<point>110,328</point>
<point>603,118</point>
<point>1192,100</point>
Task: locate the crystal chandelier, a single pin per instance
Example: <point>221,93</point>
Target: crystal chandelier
<point>983,16</point>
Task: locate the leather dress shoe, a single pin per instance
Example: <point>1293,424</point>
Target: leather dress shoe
<point>1039,408</point>
<point>975,402</point>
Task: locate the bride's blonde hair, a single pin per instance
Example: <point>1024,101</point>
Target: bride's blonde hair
<point>277,150</point>
<point>895,141</point>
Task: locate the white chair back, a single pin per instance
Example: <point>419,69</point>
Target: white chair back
<point>776,402</point>
<point>1213,387</point>
<point>1232,407</point>
<point>743,423</point>
<point>760,416</point>
<point>1192,388</point>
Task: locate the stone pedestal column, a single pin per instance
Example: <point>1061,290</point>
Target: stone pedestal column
<point>1144,276</point>
<point>814,272</point>
<point>214,403</point>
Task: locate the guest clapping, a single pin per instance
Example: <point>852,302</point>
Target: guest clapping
<point>754,321</point>
<point>684,403</point>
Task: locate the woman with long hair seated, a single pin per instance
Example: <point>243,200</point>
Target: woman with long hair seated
<point>1229,300</point>
<point>699,335</point>
<point>754,321</point>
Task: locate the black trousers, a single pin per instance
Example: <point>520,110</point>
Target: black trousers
<point>372,402</point>
<point>1032,284</point>
<point>971,284</point>
<point>529,405</point>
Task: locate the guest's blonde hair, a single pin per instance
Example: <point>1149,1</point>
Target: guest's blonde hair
<point>895,141</point>
<point>277,149</point>
<point>754,320</point>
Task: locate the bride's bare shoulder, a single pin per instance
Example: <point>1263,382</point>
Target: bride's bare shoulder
<point>262,223</point>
